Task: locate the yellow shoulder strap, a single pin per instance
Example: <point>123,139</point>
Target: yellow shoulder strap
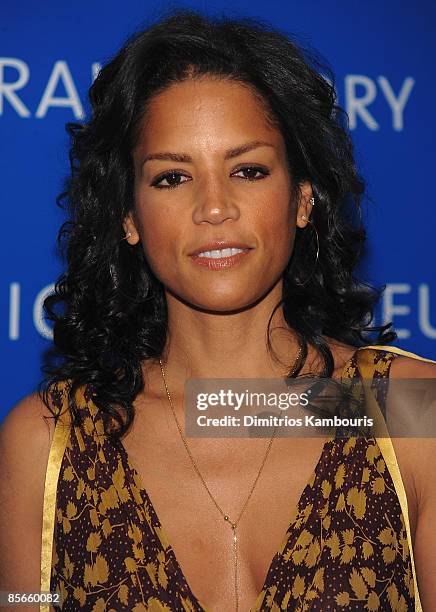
<point>57,449</point>
<point>399,351</point>
<point>366,366</point>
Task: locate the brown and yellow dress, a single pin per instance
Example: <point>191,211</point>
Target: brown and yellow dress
<point>348,544</point>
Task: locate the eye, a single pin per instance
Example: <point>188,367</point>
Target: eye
<point>252,173</point>
<point>172,178</point>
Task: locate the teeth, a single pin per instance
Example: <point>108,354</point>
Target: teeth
<point>220,253</point>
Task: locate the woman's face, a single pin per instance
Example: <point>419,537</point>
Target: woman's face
<point>210,168</point>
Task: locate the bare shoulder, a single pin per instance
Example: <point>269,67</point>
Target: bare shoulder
<point>25,437</point>
<point>416,367</point>
<point>28,421</point>
<point>422,450</point>
<point>412,367</point>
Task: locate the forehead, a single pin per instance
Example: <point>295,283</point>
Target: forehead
<point>206,111</point>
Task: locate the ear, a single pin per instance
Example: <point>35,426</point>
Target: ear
<point>129,227</point>
<point>304,205</point>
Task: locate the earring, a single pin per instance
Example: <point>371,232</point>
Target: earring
<point>127,236</point>
<point>311,201</point>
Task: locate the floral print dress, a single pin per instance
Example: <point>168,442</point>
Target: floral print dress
<point>347,545</point>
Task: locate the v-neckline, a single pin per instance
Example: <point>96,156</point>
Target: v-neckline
<point>162,531</point>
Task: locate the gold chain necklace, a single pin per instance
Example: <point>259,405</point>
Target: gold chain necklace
<point>225,516</point>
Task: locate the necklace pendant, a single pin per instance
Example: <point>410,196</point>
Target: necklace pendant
<point>232,525</point>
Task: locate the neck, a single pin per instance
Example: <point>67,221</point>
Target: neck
<point>221,345</point>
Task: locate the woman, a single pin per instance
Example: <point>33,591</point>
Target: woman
<point>207,136</point>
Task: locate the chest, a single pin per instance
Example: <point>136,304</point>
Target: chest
<point>348,518</point>
<point>203,542</point>
<point>343,508</point>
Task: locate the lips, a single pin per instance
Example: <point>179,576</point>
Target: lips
<point>221,263</point>
<point>219,245</point>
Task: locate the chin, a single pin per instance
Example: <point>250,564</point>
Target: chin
<point>223,296</point>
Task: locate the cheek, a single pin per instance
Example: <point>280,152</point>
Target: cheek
<point>275,217</point>
<point>276,224</point>
<point>159,239</point>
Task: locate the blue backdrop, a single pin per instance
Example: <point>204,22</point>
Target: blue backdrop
<point>383,56</point>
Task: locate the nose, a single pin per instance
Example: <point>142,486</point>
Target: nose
<point>214,203</point>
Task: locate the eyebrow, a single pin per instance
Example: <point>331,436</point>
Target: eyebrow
<point>230,154</point>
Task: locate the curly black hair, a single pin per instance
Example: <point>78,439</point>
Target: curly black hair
<point>109,310</point>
